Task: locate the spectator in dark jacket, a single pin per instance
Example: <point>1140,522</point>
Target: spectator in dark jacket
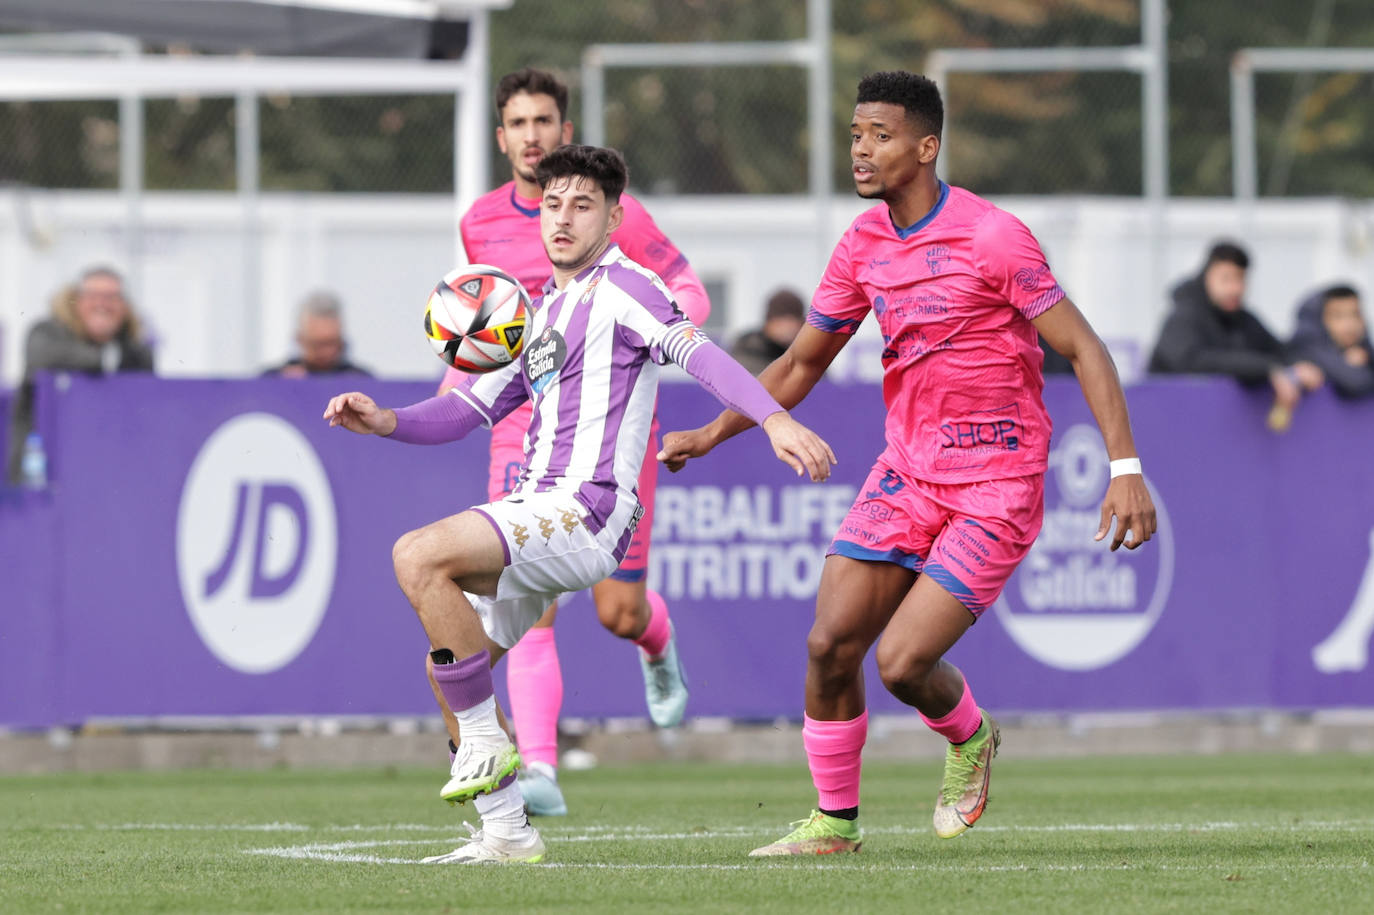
<point>782,319</point>
<point>320,336</point>
<point>92,330</point>
<point>1332,333</point>
<point>1210,332</point>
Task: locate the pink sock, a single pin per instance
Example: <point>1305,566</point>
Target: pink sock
<point>534,680</point>
<point>834,751</point>
<point>961,723</point>
<point>655,637</point>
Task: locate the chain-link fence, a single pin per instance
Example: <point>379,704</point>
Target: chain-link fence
<point>742,129</point>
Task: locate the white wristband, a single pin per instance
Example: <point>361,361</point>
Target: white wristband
<point>1124,466</point>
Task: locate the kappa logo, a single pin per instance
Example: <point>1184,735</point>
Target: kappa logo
<point>471,288</point>
<point>545,528</point>
<point>257,543</point>
<point>570,519</point>
<point>520,534</point>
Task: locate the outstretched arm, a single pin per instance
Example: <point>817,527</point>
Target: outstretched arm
<point>1064,328</point>
<point>789,379</point>
<point>445,418</point>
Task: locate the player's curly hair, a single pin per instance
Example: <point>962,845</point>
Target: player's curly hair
<point>914,92</point>
<point>534,82</point>
<point>603,165</point>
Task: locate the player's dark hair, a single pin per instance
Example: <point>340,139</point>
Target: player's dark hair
<point>1339,291</point>
<point>918,95</point>
<point>1227,252</point>
<point>533,82</point>
<point>604,166</point>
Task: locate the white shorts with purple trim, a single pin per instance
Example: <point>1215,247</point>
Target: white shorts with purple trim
<point>549,551</point>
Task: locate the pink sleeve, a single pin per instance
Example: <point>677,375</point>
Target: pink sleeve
<point>690,295</point>
<point>839,304</point>
<point>644,243</point>
<point>1011,262</point>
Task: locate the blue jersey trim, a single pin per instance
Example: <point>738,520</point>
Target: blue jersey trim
<point>854,551</point>
<point>919,224</point>
<point>957,589</point>
<point>830,324</point>
<point>630,575</point>
<point>524,211</point>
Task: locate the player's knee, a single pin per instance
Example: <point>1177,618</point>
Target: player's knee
<point>831,651</point>
<point>901,667</point>
<point>409,559</point>
<point>622,617</point>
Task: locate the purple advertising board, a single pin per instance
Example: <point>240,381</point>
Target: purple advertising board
<point>212,548</point>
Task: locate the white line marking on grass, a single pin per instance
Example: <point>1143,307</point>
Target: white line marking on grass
<point>609,833</point>
<point>348,853</point>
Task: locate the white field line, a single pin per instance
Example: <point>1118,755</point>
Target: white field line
<point>642,833</point>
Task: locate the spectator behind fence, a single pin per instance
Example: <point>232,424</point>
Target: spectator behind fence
<point>1333,334</point>
<point>93,329</point>
<point>782,319</point>
<point>320,337</point>
<point>1211,332</point>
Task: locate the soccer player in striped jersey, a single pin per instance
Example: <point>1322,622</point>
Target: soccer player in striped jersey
<point>959,289</point>
<point>480,579</point>
<point>501,228</point>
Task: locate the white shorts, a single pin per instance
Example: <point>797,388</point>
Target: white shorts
<point>549,551</point>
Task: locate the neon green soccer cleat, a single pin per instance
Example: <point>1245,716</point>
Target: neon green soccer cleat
<point>964,794</point>
<point>817,835</point>
<point>478,769</point>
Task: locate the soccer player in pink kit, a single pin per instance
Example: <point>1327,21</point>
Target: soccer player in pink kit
<point>478,580</point>
<point>502,229</point>
<point>954,502</point>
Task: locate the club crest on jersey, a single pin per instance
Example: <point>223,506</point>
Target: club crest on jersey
<point>589,292</point>
<point>937,257</point>
<point>544,357</point>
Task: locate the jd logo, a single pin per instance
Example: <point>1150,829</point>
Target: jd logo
<point>257,543</point>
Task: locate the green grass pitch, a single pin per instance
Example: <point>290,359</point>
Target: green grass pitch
<point>1265,834</point>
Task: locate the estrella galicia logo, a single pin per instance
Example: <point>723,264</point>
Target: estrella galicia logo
<point>257,543</point>
<point>937,258</point>
<point>544,357</point>
<point>1073,604</point>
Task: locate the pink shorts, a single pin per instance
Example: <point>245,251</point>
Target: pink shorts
<point>507,461</point>
<point>968,537</point>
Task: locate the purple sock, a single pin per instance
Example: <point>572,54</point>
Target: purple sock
<point>467,682</point>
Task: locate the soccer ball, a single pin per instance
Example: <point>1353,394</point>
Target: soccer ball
<point>475,318</point>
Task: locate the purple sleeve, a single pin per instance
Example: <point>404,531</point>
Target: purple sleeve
<point>445,418</point>
<point>729,381</point>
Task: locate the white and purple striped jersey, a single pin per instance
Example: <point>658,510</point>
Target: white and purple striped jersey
<point>590,367</point>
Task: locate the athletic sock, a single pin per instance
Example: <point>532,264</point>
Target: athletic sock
<point>834,751</point>
<point>534,679</point>
<point>655,638</point>
<point>467,689</point>
<point>962,722</point>
<point>503,811</point>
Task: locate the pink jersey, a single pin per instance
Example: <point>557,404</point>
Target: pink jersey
<point>954,295</point>
<point>502,229</point>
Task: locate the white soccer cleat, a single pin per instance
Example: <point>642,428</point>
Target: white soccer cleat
<point>481,848</point>
<point>665,684</point>
<point>479,768</point>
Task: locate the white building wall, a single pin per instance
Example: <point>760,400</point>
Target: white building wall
<point>383,253</point>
